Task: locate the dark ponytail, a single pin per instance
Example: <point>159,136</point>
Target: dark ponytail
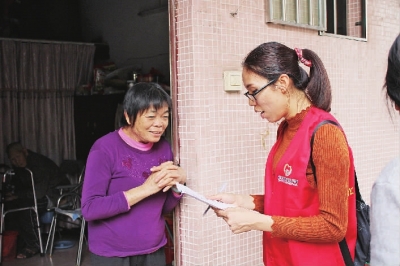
<point>319,86</point>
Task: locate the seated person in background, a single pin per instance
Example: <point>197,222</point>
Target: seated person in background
<point>47,176</point>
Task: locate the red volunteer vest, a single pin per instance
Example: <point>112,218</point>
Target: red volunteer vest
<point>288,193</point>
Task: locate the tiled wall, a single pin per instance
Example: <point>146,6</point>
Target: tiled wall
<point>354,15</point>
<point>221,138</point>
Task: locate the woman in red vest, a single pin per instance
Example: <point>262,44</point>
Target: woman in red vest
<point>304,214</point>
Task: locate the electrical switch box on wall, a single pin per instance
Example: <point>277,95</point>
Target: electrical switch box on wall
<point>232,80</point>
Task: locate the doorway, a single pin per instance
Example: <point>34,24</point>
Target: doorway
<point>130,36</point>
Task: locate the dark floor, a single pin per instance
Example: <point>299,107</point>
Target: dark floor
<point>67,256</point>
<point>60,256</point>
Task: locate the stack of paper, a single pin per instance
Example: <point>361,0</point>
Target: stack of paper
<point>198,196</point>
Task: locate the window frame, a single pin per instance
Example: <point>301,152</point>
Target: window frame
<point>364,21</point>
<point>321,28</point>
<point>269,10</point>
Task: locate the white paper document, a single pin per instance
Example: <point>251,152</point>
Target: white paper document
<point>198,196</point>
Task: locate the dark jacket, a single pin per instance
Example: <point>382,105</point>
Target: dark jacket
<point>46,174</point>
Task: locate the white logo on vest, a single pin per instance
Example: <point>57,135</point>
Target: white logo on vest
<point>287,169</point>
<point>287,180</point>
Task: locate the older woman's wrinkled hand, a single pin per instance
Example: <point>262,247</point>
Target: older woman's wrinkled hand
<point>10,197</point>
<point>168,174</point>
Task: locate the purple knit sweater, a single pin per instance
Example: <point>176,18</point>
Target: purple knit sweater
<point>114,229</point>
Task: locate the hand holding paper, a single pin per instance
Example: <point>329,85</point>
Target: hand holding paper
<point>198,196</point>
<point>209,206</point>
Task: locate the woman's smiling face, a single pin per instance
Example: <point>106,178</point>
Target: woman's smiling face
<point>271,102</point>
<point>150,125</point>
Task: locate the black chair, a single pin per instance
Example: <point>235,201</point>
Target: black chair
<point>74,170</point>
<point>69,205</point>
<point>73,211</point>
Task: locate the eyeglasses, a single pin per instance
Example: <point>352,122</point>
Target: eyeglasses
<point>252,96</point>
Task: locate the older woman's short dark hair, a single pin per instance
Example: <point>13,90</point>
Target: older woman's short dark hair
<point>143,96</point>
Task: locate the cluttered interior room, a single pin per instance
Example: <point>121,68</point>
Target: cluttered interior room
<point>66,66</point>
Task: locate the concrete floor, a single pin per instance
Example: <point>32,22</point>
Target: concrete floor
<point>60,257</point>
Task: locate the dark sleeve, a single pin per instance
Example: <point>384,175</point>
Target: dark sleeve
<point>22,183</point>
<point>41,177</point>
<point>45,172</point>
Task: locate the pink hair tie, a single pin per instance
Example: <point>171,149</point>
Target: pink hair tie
<point>299,53</point>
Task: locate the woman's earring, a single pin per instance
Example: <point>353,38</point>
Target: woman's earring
<point>282,88</point>
<point>264,137</point>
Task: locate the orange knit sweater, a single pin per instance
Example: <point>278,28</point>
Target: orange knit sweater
<point>332,161</point>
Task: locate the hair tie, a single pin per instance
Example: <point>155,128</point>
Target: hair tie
<point>299,53</point>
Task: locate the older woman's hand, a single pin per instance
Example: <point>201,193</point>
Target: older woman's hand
<point>168,174</point>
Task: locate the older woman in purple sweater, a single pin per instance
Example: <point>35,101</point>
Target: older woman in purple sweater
<point>126,190</point>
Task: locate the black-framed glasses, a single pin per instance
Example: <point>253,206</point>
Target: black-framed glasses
<point>252,96</point>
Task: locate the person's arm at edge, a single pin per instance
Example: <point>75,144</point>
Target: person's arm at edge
<point>385,202</point>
